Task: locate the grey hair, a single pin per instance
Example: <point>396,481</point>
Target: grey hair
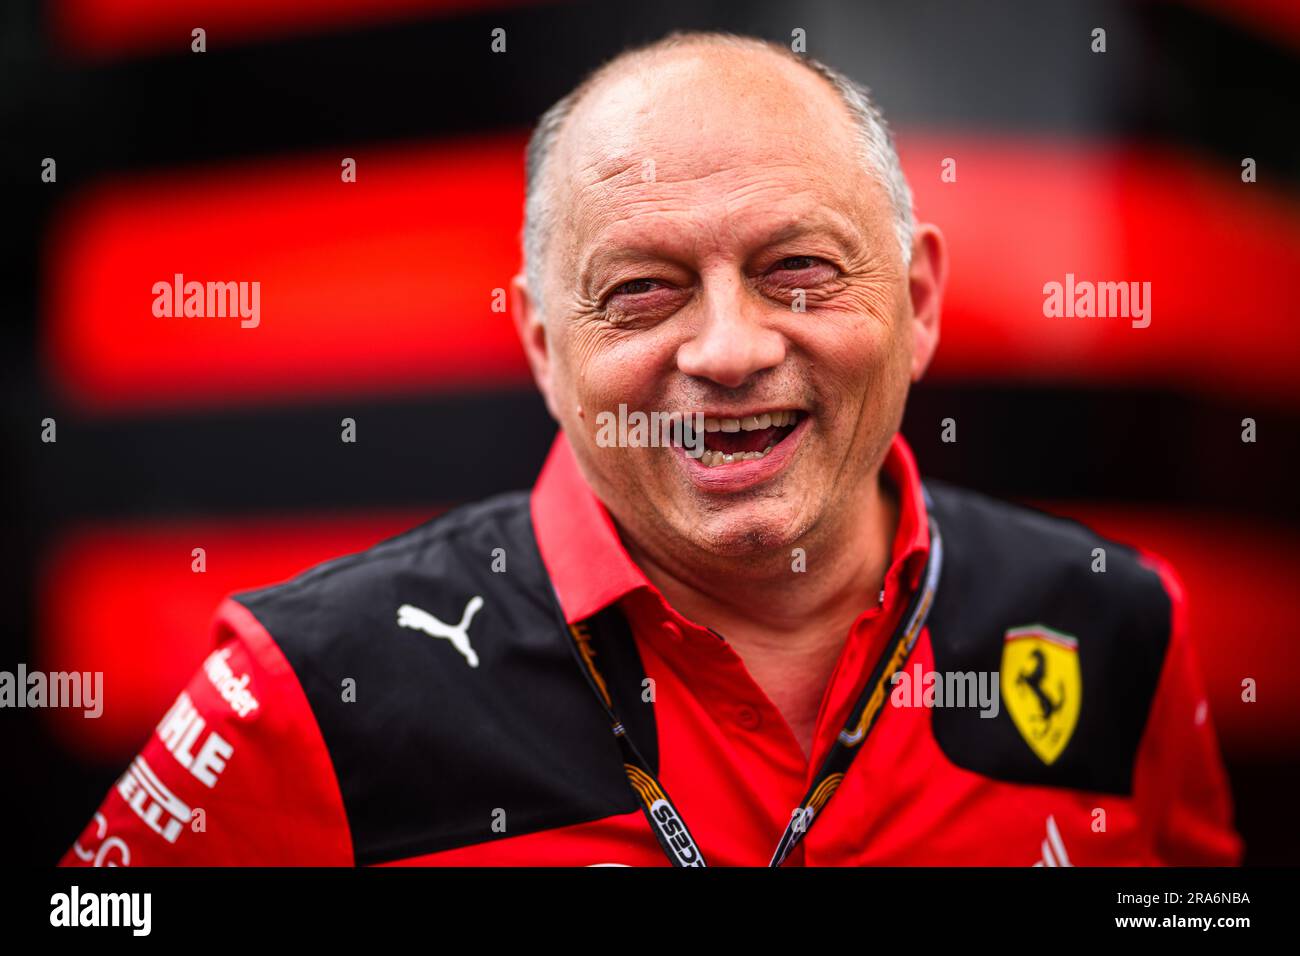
<point>875,139</point>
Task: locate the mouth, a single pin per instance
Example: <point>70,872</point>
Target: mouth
<point>733,441</point>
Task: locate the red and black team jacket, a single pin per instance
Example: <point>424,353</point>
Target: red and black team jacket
<point>445,698</point>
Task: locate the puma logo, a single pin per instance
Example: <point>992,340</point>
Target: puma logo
<point>419,620</point>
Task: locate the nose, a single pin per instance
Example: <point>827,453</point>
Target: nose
<point>732,339</point>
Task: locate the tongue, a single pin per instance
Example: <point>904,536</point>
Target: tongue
<point>734,442</point>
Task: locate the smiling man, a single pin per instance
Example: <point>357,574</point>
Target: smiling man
<point>765,643</point>
<point>735,244</point>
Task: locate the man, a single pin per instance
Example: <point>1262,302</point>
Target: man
<point>766,643</point>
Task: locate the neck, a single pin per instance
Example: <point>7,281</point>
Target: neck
<point>788,627</point>
<point>759,602</point>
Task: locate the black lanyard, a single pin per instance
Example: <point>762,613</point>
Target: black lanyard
<point>668,826</point>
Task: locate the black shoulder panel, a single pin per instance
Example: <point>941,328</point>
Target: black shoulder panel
<point>434,750</point>
<point>1010,569</point>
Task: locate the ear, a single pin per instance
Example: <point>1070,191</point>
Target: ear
<point>925,282</point>
<point>532,335</point>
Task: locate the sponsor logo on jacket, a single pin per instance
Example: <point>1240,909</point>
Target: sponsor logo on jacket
<point>233,690</point>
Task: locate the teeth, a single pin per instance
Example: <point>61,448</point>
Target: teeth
<point>750,422</point>
<point>712,459</point>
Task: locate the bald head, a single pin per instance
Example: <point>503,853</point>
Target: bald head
<point>681,106</point>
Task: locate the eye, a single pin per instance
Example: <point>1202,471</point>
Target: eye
<point>634,287</point>
<point>796,263</point>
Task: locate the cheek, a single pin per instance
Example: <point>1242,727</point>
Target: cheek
<point>606,368</point>
<point>863,356</point>
<point>859,326</point>
<point>576,383</point>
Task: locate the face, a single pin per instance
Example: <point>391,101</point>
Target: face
<point>723,251</point>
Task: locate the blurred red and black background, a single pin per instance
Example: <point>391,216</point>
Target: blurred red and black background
<point>377,306</point>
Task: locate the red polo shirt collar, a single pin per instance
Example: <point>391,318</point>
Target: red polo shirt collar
<point>591,569</point>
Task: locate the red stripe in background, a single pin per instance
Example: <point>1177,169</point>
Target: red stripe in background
<point>386,285</point>
<point>123,600</point>
<point>99,29</point>
<point>381,285</point>
<point>1219,254</point>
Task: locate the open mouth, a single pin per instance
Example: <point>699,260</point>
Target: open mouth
<point>731,440</point>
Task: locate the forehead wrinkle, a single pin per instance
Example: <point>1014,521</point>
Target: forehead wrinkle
<point>602,206</point>
<point>695,157</point>
<point>732,210</point>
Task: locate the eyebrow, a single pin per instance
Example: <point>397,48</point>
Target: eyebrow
<point>839,231</point>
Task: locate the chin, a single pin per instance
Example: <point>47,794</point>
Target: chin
<point>750,530</point>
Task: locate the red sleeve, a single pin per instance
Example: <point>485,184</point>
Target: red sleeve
<point>235,773</point>
<point>1181,788</point>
